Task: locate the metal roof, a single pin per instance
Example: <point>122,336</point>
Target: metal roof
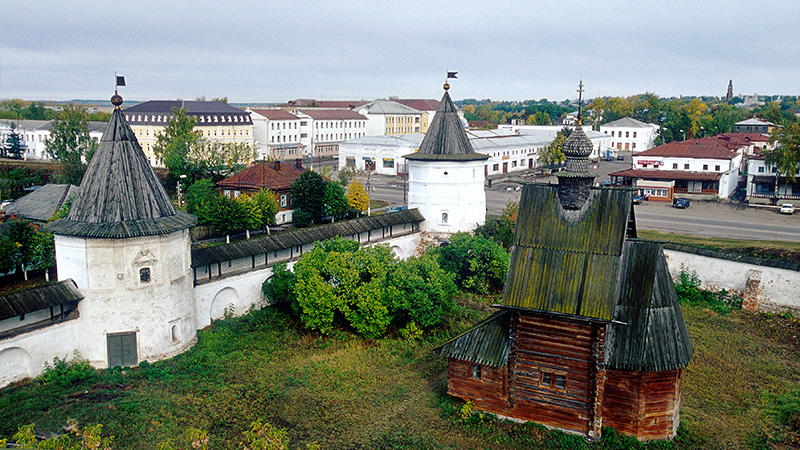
<point>120,194</point>
<point>25,301</point>
<point>694,148</point>
<point>564,261</point>
<point>388,107</point>
<point>627,122</point>
<point>487,343</point>
<point>667,175</point>
<point>258,246</point>
<point>446,139</point>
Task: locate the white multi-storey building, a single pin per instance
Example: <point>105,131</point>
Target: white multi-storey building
<point>765,183</point>
<point>630,134</point>
<point>325,129</point>
<point>278,134</point>
<point>688,167</point>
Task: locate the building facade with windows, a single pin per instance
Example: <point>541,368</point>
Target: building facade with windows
<point>276,176</point>
<point>387,117</point>
<point>630,134</point>
<point>753,125</point>
<point>687,167</point>
<point>277,134</point>
<point>324,129</point>
<point>766,184</point>
<point>217,122</point>
<point>35,133</point>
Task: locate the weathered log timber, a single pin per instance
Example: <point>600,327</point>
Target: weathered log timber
<point>590,332</point>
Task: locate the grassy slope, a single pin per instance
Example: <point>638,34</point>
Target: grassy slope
<point>346,392</point>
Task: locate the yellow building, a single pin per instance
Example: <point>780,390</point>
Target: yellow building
<point>217,122</point>
<point>387,117</point>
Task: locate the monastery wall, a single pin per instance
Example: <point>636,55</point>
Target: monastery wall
<point>765,285</point>
<point>24,355</point>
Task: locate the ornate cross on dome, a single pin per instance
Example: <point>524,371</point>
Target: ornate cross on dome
<point>580,100</point>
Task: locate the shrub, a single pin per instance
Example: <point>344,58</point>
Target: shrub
<point>280,286</point>
<point>66,373</point>
<point>421,290</point>
<point>479,264</point>
<point>689,292</point>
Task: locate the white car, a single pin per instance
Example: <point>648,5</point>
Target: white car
<point>787,208</point>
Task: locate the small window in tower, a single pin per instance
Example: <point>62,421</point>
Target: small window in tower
<point>444,217</point>
<point>174,333</point>
<point>445,174</point>
<point>144,275</point>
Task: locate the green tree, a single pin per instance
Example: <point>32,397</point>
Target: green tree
<point>420,290</point>
<point>267,203</point>
<point>308,194</point>
<point>176,142</point>
<point>348,174</point>
<point>336,204</point>
<point>785,155</point>
<point>13,146</point>
<point>199,192</point>
<point>24,235</point>
<point>224,214</point>
<point>219,160</point>
<point>69,143</point>
<point>357,196</point>
<point>280,286</point>
<point>554,153</point>
<point>8,254</point>
<point>501,230</point>
<point>480,265</point>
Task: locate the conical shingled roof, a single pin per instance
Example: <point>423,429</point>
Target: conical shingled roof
<point>446,139</point>
<point>120,195</point>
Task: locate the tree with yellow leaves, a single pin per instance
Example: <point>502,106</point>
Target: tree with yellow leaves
<point>357,196</point>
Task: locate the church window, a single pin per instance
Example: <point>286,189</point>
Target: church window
<point>476,371</point>
<point>144,275</point>
<point>122,349</point>
<point>444,217</point>
<point>173,332</point>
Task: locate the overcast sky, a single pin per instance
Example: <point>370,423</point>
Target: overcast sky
<point>273,51</point>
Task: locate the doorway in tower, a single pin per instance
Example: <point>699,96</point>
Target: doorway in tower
<point>122,349</point>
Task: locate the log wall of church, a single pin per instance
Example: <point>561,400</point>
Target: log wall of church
<point>643,404</point>
<point>488,390</point>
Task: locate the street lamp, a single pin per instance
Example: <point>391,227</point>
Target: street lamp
<point>180,201</point>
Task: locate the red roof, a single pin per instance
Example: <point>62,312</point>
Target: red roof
<point>332,114</point>
<point>269,174</point>
<point>275,114</point>
<point>667,175</point>
<point>421,104</point>
<point>693,148</point>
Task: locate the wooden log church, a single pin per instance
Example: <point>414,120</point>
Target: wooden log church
<point>590,332</point>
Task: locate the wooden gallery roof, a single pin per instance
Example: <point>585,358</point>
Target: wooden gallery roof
<point>587,265</point>
<point>120,195</point>
<point>26,301</point>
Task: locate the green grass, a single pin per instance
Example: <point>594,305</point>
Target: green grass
<point>343,391</point>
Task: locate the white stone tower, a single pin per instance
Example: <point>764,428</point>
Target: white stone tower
<point>128,250</point>
<point>446,175</point>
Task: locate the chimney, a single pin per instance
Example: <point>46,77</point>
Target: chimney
<point>277,165</point>
<point>298,163</point>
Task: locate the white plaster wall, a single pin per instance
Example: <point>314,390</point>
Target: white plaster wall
<point>452,187</point>
<point>780,287</point>
<point>106,271</point>
<point>24,355</point>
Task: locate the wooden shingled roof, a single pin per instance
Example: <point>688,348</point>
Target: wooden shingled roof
<point>120,195</point>
<point>41,204</point>
<point>279,241</point>
<point>567,262</point>
<point>446,139</point>
<point>650,333</point>
<point>26,301</point>
<point>487,343</point>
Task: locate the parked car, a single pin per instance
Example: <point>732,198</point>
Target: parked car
<point>397,208</point>
<point>620,157</point>
<point>680,203</point>
<point>787,208</point>
<point>637,199</point>
<point>605,183</point>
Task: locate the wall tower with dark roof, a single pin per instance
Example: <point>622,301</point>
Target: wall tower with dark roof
<point>128,251</point>
<point>446,175</point>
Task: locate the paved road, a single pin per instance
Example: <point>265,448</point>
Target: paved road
<point>703,218</point>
